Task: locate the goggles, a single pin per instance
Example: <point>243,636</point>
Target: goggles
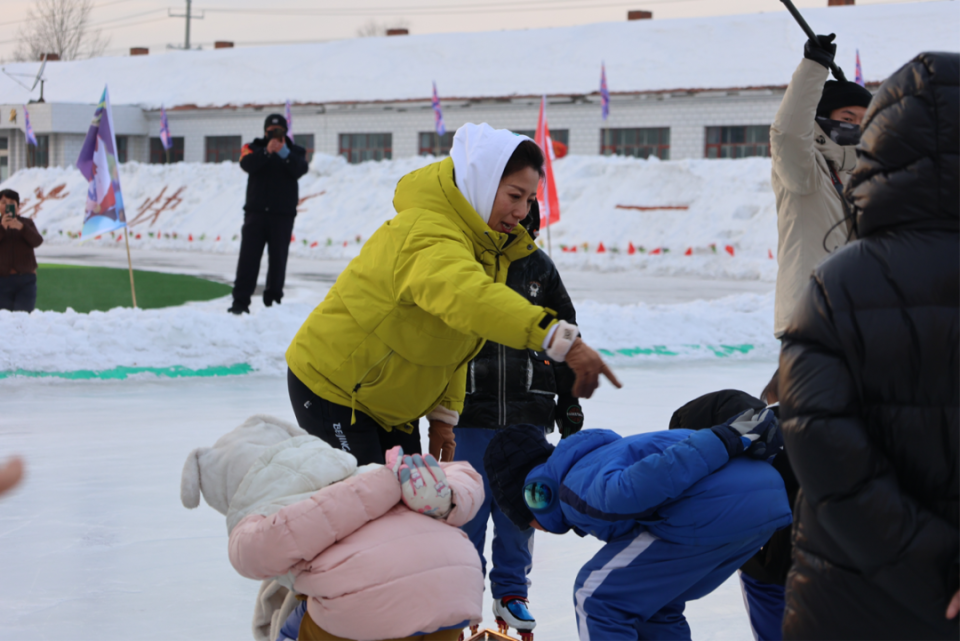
<point>540,495</point>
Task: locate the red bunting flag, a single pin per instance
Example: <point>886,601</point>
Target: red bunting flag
<point>770,254</point>
<point>547,191</point>
<point>631,249</point>
<point>729,249</point>
<point>655,251</point>
<point>315,243</point>
<point>689,252</point>
<point>601,249</point>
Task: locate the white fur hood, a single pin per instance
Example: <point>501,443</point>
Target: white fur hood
<point>288,472</point>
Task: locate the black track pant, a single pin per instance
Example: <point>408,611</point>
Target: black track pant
<point>18,292</point>
<point>259,230</point>
<point>365,439</point>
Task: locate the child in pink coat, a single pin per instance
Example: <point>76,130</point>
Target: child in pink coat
<point>349,540</point>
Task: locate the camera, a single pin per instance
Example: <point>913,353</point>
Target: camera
<point>11,210</point>
<point>278,134</point>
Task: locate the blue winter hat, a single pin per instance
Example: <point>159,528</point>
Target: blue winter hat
<point>511,455</point>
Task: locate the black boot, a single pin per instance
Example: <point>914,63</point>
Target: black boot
<point>238,309</point>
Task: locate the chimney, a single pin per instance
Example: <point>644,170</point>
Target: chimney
<point>398,32</point>
<point>50,57</point>
<point>839,3</point>
<point>643,15</point>
<point>139,51</point>
<point>223,44</point>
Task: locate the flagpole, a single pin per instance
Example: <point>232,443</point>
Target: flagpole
<point>133,290</point>
<point>549,246</point>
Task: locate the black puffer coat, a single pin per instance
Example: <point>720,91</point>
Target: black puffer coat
<point>508,386</point>
<point>272,187</point>
<point>870,383</point>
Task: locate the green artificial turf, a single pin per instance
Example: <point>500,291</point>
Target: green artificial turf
<point>86,289</point>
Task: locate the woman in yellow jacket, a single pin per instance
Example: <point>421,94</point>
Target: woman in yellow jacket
<point>392,340</point>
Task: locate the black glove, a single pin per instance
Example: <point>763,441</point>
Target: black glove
<point>822,51</point>
<point>569,415</point>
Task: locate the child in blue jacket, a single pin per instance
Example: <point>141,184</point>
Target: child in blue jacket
<point>680,511</point>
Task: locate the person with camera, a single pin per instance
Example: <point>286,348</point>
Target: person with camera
<point>18,264</point>
<point>812,142</point>
<point>274,165</point>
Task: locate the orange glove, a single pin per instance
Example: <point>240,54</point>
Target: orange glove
<point>587,365</point>
<point>442,442</point>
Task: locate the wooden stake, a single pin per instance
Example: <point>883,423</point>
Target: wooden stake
<point>126,240</point>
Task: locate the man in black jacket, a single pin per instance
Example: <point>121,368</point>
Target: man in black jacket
<point>870,383</point>
<point>507,387</point>
<point>274,165</point>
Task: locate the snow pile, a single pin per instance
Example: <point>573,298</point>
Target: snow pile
<point>721,212</point>
<point>203,335</point>
<point>640,55</point>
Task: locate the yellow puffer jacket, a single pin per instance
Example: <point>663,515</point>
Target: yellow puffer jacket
<point>396,332</point>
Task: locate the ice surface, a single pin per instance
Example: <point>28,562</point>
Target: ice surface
<point>723,52</point>
<point>96,545</point>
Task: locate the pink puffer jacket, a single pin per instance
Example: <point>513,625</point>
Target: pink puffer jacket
<point>372,568</point>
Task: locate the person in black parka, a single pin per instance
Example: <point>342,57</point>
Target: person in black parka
<point>508,387</point>
<point>870,383</point>
<point>274,164</point>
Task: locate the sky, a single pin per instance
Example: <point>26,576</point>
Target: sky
<point>146,23</point>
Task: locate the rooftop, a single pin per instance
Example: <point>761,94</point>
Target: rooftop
<point>675,55</point>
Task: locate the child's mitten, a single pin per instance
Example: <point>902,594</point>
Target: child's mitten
<point>423,486</point>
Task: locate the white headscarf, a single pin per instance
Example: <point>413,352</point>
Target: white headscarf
<point>480,154</point>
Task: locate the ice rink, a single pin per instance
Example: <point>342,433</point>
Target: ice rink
<point>96,545</point>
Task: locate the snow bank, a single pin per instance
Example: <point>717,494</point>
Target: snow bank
<point>721,212</point>
<point>202,335</point>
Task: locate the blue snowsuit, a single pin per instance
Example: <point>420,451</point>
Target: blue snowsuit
<point>679,517</point>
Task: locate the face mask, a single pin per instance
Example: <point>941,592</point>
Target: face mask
<point>844,134</point>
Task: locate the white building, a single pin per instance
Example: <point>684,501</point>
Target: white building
<point>680,88</point>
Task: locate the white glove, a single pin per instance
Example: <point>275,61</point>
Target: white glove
<point>423,486</point>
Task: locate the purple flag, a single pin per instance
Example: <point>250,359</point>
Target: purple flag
<point>859,76</point>
<point>438,113</point>
<point>98,164</point>
<point>28,129</point>
<point>165,137</point>
<point>289,117</point>
<point>604,92</point>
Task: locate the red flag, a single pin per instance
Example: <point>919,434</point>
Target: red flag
<point>601,249</point>
<point>631,249</point>
<point>689,252</point>
<point>547,191</point>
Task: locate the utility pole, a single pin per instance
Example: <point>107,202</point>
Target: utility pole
<point>188,15</point>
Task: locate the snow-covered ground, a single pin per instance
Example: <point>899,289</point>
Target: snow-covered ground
<point>713,208</point>
<point>96,545</point>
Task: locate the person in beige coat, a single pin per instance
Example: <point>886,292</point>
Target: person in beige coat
<point>812,143</point>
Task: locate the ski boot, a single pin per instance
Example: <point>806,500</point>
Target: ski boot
<point>512,612</point>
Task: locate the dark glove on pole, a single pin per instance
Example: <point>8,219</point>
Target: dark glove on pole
<point>821,51</point>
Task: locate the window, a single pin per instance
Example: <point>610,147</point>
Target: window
<point>433,145</point>
<point>640,142</point>
<point>39,155</point>
<point>220,148</point>
<point>556,135</point>
<point>305,141</point>
<point>738,142</point>
<point>158,155</point>
<point>122,144</point>
<point>360,147</point>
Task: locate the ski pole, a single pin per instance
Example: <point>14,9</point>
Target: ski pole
<point>837,71</point>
